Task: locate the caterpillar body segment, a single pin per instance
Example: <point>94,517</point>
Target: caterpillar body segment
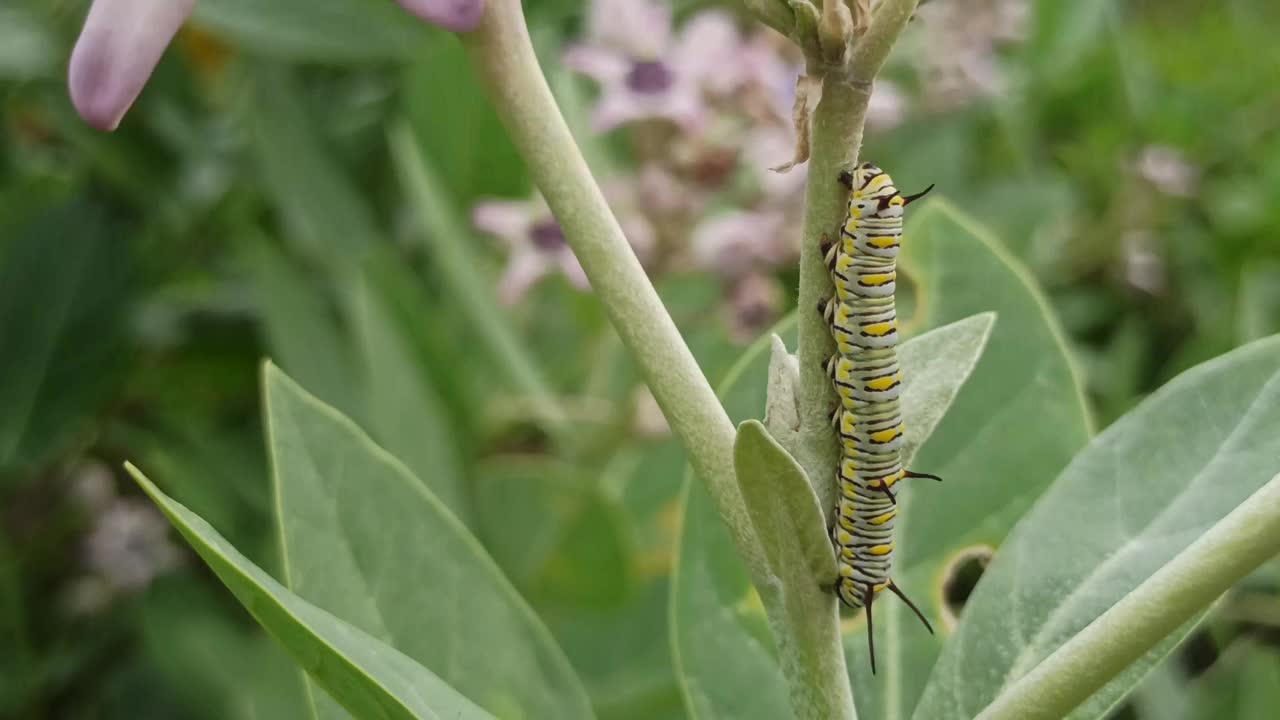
<point>863,319</point>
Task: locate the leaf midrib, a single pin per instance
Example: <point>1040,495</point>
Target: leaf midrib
<point>1022,662</point>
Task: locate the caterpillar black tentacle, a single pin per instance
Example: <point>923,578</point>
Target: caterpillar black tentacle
<point>863,319</point>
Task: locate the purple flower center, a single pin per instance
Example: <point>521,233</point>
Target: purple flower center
<point>649,77</point>
<point>547,236</point>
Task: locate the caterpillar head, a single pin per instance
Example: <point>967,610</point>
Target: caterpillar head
<point>873,194</point>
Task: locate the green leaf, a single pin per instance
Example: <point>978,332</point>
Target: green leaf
<point>1258,314</point>
<point>716,614</point>
<point>325,216</point>
<point>366,540</point>
<point>1244,684</point>
<point>791,529</point>
<point>1063,34</point>
<point>405,412</point>
<point>1144,490</point>
<point>1165,693</point>
<point>449,242</point>
<point>555,532</point>
<point>462,138</point>
<point>301,331</point>
<point>935,366</point>
<point>369,678</point>
<point>64,289</point>
<point>726,656</point>
<point>782,396</point>
<point>783,509</point>
<point>27,48</point>
<point>1014,425</point>
<point>188,636</point>
<point>346,31</point>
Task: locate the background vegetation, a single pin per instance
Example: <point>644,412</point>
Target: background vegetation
<point>298,182</point>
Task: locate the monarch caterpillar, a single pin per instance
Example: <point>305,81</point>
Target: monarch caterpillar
<point>864,322</point>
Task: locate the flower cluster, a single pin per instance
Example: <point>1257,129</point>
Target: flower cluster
<point>707,111</point>
<point>126,547</point>
<point>959,59</point>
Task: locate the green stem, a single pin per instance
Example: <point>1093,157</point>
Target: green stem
<point>837,127</point>
<point>837,135</point>
<point>1235,546</point>
<point>504,59</point>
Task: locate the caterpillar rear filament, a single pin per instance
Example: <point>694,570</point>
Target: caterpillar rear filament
<point>868,420</point>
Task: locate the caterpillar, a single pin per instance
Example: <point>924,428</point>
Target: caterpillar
<point>863,320</point>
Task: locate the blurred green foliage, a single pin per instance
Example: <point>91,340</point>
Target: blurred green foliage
<point>250,206</point>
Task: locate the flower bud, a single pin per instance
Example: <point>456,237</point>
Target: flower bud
<point>118,48</point>
<point>453,15</point>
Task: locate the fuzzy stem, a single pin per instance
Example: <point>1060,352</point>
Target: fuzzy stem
<point>503,56</point>
<point>1234,547</point>
<point>837,138</point>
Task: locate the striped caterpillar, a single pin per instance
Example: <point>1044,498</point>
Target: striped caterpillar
<point>863,321</point>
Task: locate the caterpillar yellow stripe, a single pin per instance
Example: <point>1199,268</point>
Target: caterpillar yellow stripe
<point>868,422</point>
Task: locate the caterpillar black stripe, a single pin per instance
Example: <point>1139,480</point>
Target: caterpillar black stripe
<point>864,322</point>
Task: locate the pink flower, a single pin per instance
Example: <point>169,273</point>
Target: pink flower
<point>960,59</point>
<point>536,244</point>
<point>740,242</point>
<point>646,73</point>
<point>454,15</point>
<point>1168,169</point>
<point>122,41</point>
<point>768,147</point>
<point>753,303</point>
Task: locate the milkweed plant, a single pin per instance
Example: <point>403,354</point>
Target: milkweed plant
<point>1098,554</point>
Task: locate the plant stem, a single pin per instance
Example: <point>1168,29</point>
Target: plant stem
<point>504,59</point>
<point>837,138</point>
<point>503,56</point>
<point>837,135</point>
<point>1231,549</point>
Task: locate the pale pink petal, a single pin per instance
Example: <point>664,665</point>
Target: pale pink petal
<point>601,64</point>
<point>617,106</point>
<point>624,197</point>
<point>769,147</point>
<point>708,51</point>
<point>640,234</point>
<point>736,242</point>
<point>666,194</point>
<point>524,269</point>
<point>572,269</point>
<point>118,48</point>
<point>506,220</point>
<point>683,104</point>
<point>454,15</point>
<point>640,28</point>
<point>754,301</point>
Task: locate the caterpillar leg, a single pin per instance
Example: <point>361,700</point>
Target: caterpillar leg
<point>883,487</point>
<point>870,593</point>
<point>898,591</point>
